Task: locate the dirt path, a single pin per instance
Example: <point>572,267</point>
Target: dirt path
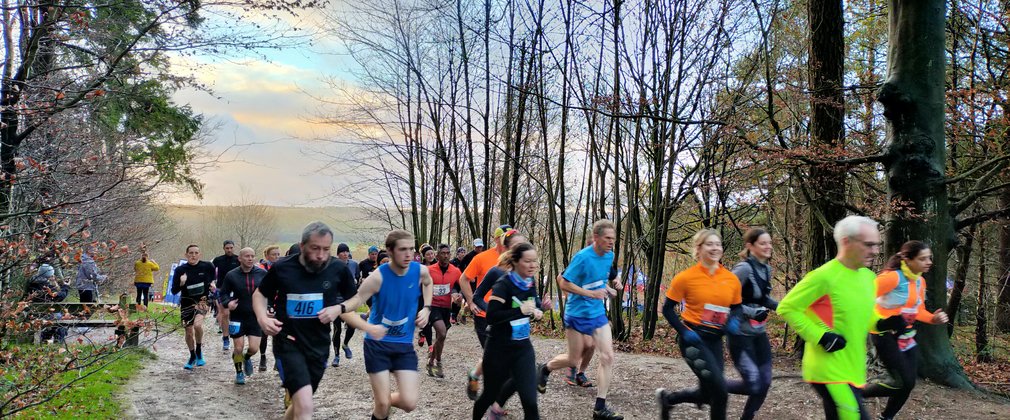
<point>163,390</point>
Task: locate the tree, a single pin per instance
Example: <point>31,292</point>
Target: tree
<point>914,103</point>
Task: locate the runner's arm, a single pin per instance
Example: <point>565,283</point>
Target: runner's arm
<point>482,290</point>
<point>572,288</point>
<point>794,305</point>
<point>369,287</point>
<point>500,309</point>
<point>670,313</point>
<point>464,287</point>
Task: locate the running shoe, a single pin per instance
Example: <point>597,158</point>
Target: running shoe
<point>420,341</point>
<point>263,364</point>
<point>438,371</point>
<point>497,413</point>
<point>583,381</point>
<point>606,414</point>
<point>336,361</point>
<point>347,351</point>
<point>239,378</point>
<point>570,378</point>
<point>542,378</point>
<point>247,366</point>
<point>188,365</point>
<point>200,361</point>
<point>227,345</point>
<point>661,401</point>
<point>472,385</point>
<point>431,370</point>
<point>431,348</point>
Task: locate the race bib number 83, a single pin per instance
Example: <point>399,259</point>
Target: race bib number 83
<point>305,305</point>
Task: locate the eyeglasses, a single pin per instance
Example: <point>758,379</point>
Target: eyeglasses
<point>869,244</point>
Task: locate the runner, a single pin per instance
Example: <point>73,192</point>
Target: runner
<point>143,275</point>
<point>458,259</point>
<point>310,287</point>
<point>344,255</point>
<point>444,278</point>
<point>427,259</point>
<point>710,295</point>
<point>236,292</point>
<point>193,279</point>
<point>270,256</point>
<point>509,356</point>
<point>585,280</point>
<point>750,350</point>
<point>390,328</point>
<point>832,308</point>
<point>367,266</point>
<point>471,279</point>
<point>223,264</point>
<point>456,291</point>
<point>901,291</point>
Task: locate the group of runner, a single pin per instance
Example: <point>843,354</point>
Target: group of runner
<point>295,299</point>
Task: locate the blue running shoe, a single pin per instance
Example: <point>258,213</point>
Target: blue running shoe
<point>188,365</point>
<point>240,378</point>
<point>347,352</point>
<point>200,361</point>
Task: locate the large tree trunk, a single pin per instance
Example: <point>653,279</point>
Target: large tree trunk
<point>981,339</point>
<point>960,277</point>
<point>827,182</point>
<point>913,99</point>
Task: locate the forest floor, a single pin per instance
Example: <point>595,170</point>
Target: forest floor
<point>164,390</point>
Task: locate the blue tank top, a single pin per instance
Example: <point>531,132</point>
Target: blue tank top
<point>395,305</point>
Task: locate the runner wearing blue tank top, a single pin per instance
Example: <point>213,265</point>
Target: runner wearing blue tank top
<point>394,288</point>
<point>586,282</point>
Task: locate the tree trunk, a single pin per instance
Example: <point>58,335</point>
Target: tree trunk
<point>827,182</point>
<point>960,277</point>
<point>913,100</point>
<point>981,340</point>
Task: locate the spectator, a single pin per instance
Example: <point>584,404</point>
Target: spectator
<point>88,278</point>
<point>144,269</point>
<point>44,287</point>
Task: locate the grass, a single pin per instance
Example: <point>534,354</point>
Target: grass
<point>94,396</point>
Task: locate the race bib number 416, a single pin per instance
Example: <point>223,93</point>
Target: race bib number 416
<point>305,305</point>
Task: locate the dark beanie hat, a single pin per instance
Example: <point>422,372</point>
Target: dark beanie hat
<point>343,248</point>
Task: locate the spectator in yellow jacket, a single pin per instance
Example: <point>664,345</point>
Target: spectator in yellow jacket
<point>144,269</point>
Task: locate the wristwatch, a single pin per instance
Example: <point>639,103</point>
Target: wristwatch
<point>343,308</point>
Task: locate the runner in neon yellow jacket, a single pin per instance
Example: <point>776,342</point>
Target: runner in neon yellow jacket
<point>833,309</point>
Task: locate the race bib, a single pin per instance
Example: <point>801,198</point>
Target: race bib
<point>714,315</point>
<point>520,329</point>
<point>234,327</point>
<point>758,324</point>
<point>195,289</point>
<point>304,305</point>
<point>395,328</point>
<point>440,289</point>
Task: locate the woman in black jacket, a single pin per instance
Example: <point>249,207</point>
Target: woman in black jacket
<point>509,353</point>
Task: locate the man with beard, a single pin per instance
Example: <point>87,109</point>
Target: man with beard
<point>309,288</point>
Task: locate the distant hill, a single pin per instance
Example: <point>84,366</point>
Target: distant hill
<point>351,225</point>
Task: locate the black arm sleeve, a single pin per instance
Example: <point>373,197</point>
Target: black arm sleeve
<point>478,295</point>
<point>224,289</point>
<point>179,271</point>
<point>770,303</point>
<point>670,312</point>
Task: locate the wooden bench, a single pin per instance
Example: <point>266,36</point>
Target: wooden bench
<point>77,315</point>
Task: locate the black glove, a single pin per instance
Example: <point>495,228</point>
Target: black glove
<point>892,323</point>
<point>832,342</point>
<point>761,315</point>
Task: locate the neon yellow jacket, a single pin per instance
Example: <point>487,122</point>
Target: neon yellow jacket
<point>837,299</point>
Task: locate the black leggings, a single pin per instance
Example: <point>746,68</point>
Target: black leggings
<point>842,401</point>
<point>515,363</point>
<point>902,365</point>
<point>705,360</point>
<point>336,334</point>
<point>143,291</point>
<point>752,356</point>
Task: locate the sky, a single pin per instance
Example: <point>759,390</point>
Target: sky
<point>261,104</point>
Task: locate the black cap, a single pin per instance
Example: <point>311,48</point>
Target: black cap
<point>343,248</point>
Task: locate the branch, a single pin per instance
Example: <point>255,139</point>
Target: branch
<point>977,168</point>
<point>980,218</point>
